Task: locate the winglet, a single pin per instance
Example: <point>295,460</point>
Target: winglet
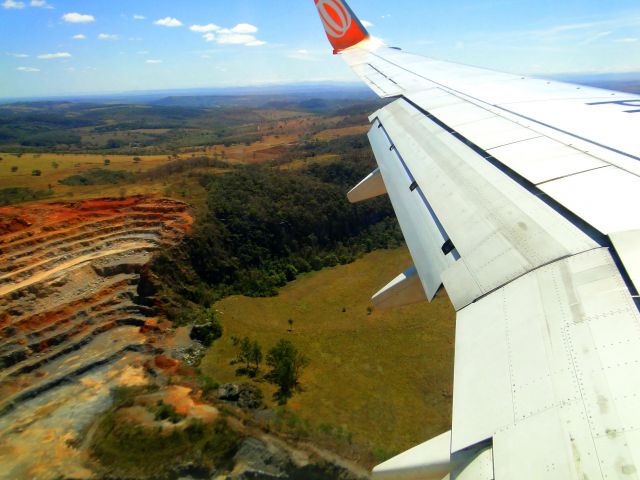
<point>343,28</point>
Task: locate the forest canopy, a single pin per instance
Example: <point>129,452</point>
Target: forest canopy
<point>264,226</point>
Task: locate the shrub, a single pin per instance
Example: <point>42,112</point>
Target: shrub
<point>207,328</point>
<point>167,412</point>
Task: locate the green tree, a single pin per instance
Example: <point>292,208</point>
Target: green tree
<point>244,356</point>
<point>286,364</point>
<point>256,355</point>
<point>251,355</point>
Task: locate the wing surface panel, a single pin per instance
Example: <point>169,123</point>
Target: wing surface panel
<point>498,228</point>
<point>494,110</point>
<point>604,196</point>
<point>559,375</point>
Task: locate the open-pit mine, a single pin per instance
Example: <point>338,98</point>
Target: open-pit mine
<point>74,322</point>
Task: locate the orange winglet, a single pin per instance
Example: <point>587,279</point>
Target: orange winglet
<point>343,28</point>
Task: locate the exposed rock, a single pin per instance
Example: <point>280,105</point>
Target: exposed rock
<point>229,392</point>
<point>258,460</point>
<point>250,397</point>
<point>269,458</point>
<point>206,333</point>
<point>191,355</point>
<point>126,265</point>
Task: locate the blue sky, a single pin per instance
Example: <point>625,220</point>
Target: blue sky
<point>57,47</point>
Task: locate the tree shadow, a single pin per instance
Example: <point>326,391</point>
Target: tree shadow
<point>245,371</point>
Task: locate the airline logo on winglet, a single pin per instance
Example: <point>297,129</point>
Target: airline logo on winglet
<point>343,28</point>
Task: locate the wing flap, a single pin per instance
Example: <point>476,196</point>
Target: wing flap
<point>430,460</point>
<point>498,228</point>
<point>421,229</point>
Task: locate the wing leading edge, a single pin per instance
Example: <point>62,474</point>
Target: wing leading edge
<point>516,194</point>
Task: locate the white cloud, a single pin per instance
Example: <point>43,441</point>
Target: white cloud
<point>367,24</point>
<point>18,55</point>
<point>168,22</point>
<point>143,52</point>
<point>78,18</point>
<point>154,62</point>
<point>80,37</point>
<point>301,54</point>
<point>244,28</point>
<point>594,38</point>
<point>10,4</point>
<point>139,17</point>
<point>235,39</point>
<point>54,56</point>
<point>107,36</point>
<point>211,27</point>
<point>241,34</point>
<point>40,4</point>
<point>28,69</point>
<point>627,40</point>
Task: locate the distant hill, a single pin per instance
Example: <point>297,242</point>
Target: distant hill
<point>227,96</point>
<point>622,82</point>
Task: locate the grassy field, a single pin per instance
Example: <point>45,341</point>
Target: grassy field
<point>386,377</point>
<point>342,132</point>
<point>57,166</point>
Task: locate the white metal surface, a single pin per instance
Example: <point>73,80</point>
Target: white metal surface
<point>423,234</point>
<point>547,367</point>
<point>548,335</point>
<point>371,186</point>
<point>495,132</point>
<point>479,467</point>
<point>498,112</point>
<point>543,159</point>
<point>627,245</point>
<point>499,229</point>
<point>405,289</point>
<point>606,198</point>
<point>566,108</point>
<point>428,461</point>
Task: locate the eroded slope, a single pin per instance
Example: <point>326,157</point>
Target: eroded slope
<point>73,323</point>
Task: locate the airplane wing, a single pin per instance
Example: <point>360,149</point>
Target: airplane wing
<point>520,196</point>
